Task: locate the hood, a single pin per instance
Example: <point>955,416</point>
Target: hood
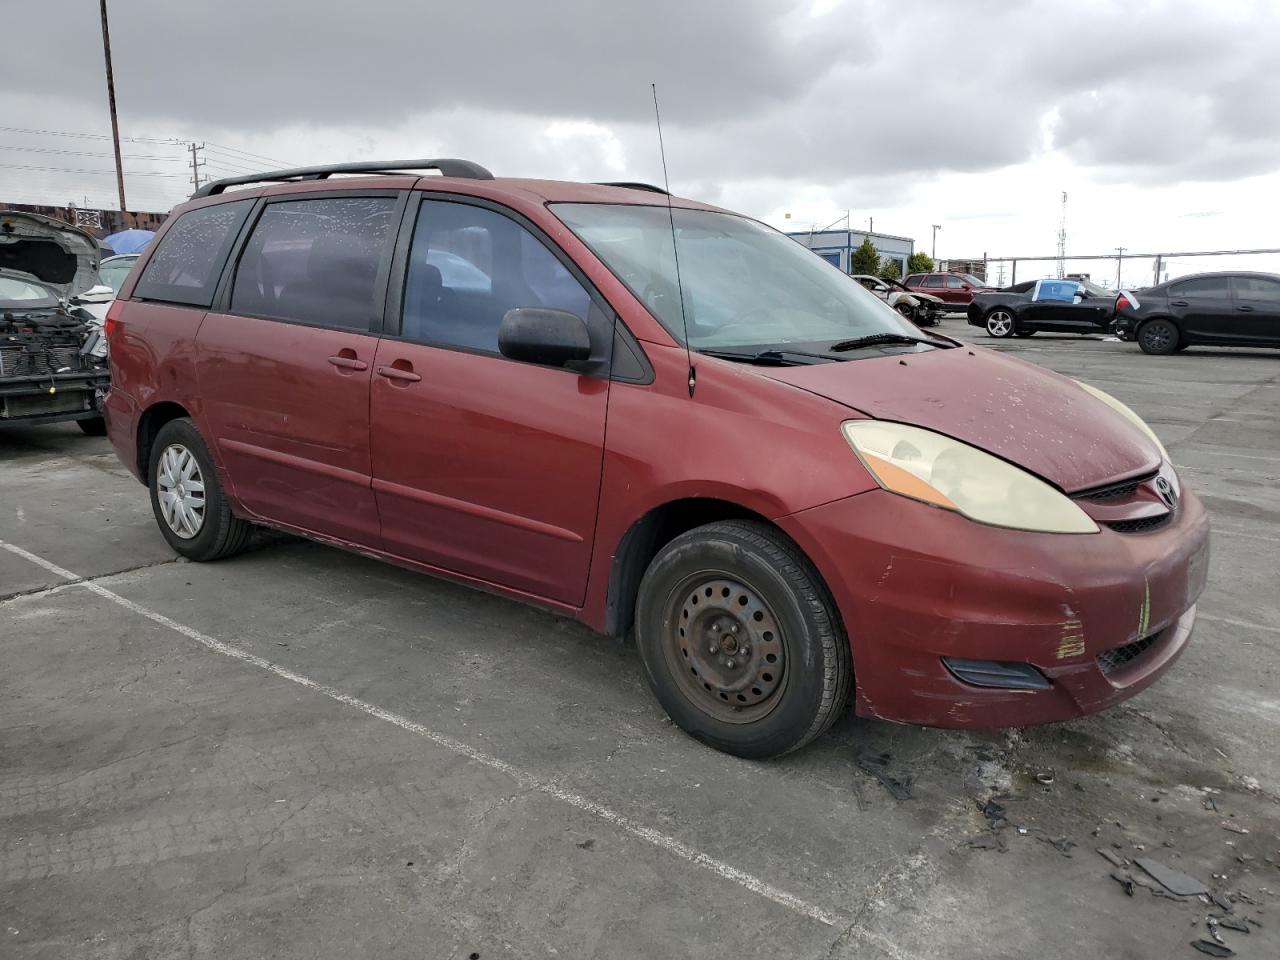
<point>927,297</point>
<point>56,254</point>
<point>1039,420</point>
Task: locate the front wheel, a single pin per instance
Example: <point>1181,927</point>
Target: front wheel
<point>1000,323</point>
<point>905,310</point>
<point>740,640</point>
<point>1158,337</point>
<point>187,499</point>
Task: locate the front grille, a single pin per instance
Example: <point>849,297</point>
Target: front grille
<point>1140,525</point>
<point>1120,491</point>
<point>21,362</point>
<point>1112,660</point>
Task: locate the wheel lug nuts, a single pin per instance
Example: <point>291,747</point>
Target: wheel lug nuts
<point>715,628</point>
<point>713,647</point>
<point>730,664</point>
<point>734,628</point>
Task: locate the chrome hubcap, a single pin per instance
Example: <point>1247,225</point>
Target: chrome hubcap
<point>999,324</point>
<point>726,649</point>
<point>180,491</point>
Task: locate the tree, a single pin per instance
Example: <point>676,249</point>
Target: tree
<point>920,263</point>
<point>889,270</point>
<point>865,259</point>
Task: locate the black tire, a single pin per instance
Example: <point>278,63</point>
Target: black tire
<point>793,671</point>
<point>1158,337</point>
<point>999,322</point>
<point>905,310</point>
<point>93,427</point>
<point>219,533</point>
<point>1024,333</point>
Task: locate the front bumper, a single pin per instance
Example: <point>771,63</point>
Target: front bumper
<point>50,398</point>
<point>915,584</point>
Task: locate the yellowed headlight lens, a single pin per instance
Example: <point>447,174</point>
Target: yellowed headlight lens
<point>935,469</point>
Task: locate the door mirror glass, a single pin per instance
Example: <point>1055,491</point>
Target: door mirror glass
<point>553,338</point>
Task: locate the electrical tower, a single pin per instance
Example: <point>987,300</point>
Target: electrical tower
<point>1062,239</point>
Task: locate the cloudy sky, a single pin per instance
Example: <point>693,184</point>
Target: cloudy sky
<point>1159,118</point>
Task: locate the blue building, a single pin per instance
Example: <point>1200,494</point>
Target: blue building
<point>837,246</point>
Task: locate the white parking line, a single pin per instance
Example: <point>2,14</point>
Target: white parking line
<point>527,780</point>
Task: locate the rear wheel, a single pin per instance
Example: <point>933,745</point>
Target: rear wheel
<point>740,640</point>
<point>1159,337</point>
<point>93,427</point>
<point>187,499</point>
<point>1000,322</point>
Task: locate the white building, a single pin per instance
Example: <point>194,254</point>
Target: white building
<point>837,246</point>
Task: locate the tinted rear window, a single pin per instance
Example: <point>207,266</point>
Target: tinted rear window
<point>186,266</point>
<point>1257,288</point>
<point>1202,287</point>
<point>318,262</point>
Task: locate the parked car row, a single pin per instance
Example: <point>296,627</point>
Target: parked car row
<point>1212,309</point>
<point>922,309</point>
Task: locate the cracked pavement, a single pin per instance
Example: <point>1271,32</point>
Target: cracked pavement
<point>160,800</point>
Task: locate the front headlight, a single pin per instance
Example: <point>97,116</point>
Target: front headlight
<point>935,469</point>
<point>1124,411</point>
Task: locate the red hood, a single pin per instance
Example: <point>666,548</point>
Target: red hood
<point>1020,412</point>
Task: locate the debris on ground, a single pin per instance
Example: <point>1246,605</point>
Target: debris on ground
<point>877,764</point>
<point>1045,777</point>
<point>1061,844</point>
<point>1213,949</point>
<point>1114,859</point>
<point>1175,881</point>
<point>1234,828</point>
<point>1231,923</point>
<point>996,814</point>
<point>987,841</point>
<point>1124,880</point>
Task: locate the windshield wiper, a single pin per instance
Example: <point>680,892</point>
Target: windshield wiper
<point>781,358</point>
<point>875,339</point>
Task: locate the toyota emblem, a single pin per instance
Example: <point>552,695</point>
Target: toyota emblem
<point>1167,493</point>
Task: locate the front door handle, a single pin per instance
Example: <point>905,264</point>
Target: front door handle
<point>348,363</point>
<point>398,373</point>
<point>1243,309</point>
<point>1179,303</point>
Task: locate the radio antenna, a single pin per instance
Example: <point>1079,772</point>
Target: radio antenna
<point>675,250</point>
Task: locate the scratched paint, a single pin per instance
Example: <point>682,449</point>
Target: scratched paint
<point>1071,643</point>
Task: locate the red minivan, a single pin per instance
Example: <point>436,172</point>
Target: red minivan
<point>665,420</point>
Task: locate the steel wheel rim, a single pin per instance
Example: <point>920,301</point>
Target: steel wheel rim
<point>999,323</point>
<point>724,646</point>
<point>180,491</point>
<point>1156,336</point>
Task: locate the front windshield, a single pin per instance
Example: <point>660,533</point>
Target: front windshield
<point>970,279</point>
<point>744,284</point>
<point>25,294</point>
<point>1095,290</point>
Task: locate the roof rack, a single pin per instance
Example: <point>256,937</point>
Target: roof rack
<point>449,168</point>
<point>634,185</point>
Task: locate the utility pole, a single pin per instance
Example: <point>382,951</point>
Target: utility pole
<point>1119,262</point>
<point>196,163</point>
<point>934,248</point>
<point>111,100</point>
<point>1062,239</point>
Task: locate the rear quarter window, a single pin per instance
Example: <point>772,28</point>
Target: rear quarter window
<point>186,266</point>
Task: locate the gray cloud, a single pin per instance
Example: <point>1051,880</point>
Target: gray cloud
<point>757,94</point>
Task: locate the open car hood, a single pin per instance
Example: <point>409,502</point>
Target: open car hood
<point>1032,417</point>
<point>926,297</point>
<point>58,255</point>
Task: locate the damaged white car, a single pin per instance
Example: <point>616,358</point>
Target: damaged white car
<point>53,357</point>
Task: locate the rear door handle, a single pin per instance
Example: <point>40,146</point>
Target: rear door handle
<point>1179,303</point>
<point>396,373</point>
<point>348,363</point>
<point>1245,309</point>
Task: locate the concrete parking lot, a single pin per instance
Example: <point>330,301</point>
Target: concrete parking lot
<point>303,753</point>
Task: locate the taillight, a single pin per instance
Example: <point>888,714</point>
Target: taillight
<point>112,322</point>
<point>1122,303</point>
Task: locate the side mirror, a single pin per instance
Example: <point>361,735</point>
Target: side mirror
<point>553,338</point>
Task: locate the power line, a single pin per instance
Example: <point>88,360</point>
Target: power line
<point>86,136</point>
<point>253,156</point>
<point>85,153</point>
<point>132,173</point>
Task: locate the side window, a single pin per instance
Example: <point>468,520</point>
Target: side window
<point>186,266</point>
<point>317,262</point>
<point>954,283</point>
<point>1257,289</point>
<point>468,266</point>
<point>932,281</point>
<point>1200,287</point>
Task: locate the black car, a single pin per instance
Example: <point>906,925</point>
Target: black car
<point>1012,310</point>
<point>1213,309</point>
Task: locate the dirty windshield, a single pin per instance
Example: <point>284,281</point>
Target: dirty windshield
<point>745,286</point>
